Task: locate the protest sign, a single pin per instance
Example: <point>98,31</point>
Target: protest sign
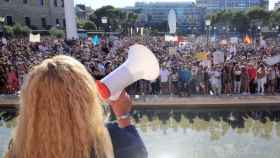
<point>172,51</point>
<point>201,56</point>
<point>170,38</point>
<point>234,40</point>
<point>34,38</point>
<point>219,57</point>
<point>272,60</point>
<point>206,63</point>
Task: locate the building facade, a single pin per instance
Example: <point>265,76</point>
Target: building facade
<point>277,6</point>
<point>37,14</point>
<point>190,18</point>
<point>218,5</point>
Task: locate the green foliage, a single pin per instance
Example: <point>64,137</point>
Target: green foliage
<point>16,31</point>
<point>54,32</point>
<point>20,30</point>
<point>117,18</point>
<point>244,20</point>
<point>8,30</point>
<point>275,18</point>
<point>87,25</point>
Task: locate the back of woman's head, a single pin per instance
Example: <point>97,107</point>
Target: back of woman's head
<point>60,116</point>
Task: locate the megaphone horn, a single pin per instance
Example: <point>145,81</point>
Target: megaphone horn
<point>141,64</point>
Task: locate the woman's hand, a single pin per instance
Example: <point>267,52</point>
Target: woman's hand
<point>122,107</point>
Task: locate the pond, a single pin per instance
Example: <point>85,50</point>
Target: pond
<point>200,133</point>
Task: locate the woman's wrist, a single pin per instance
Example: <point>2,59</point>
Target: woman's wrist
<point>123,123</point>
<point>123,120</point>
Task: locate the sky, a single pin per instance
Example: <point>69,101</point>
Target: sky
<point>123,3</point>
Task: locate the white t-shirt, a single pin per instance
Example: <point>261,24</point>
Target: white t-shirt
<point>164,74</point>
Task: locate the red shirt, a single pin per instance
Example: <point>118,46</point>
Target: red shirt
<point>252,73</point>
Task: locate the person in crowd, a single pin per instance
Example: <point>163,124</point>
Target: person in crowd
<point>216,80</point>
<point>164,79</point>
<point>61,116</point>
<point>272,79</point>
<point>3,79</point>
<point>245,80</point>
<point>185,77</point>
<point>12,80</point>
<point>174,79</point>
<point>201,88</point>
<point>252,71</point>
<point>227,79</point>
<point>261,79</point>
<point>237,79</point>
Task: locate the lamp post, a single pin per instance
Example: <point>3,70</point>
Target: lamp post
<point>104,21</point>
<point>259,32</point>
<point>208,23</point>
<point>2,20</point>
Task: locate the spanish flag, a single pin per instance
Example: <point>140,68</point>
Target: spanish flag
<point>248,40</point>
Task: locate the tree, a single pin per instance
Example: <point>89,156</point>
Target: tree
<point>116,18</point>
<point>87,25</point>
<point>20,30</point>
<point>258,15</point>
<point>241,22</point>
<point>54,32</point>
<point>274,19</point>
<point>8,31</point>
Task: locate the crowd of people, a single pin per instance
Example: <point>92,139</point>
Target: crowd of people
<point>244,70</point>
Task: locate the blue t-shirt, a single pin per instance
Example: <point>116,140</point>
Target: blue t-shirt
<point>185,75</point>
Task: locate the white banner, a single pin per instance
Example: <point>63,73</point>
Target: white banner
<point>272,60</point>
<point>206,63</point>
<point>170,38</point>
<point>34,38</point>
<point>234,40</point>
<point>219,57</point>
<point>142,31</point>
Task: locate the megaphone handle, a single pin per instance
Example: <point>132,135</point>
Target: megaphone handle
<point>116,96</point>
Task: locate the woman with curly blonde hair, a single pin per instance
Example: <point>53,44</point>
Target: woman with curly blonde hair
<point>60,117</point>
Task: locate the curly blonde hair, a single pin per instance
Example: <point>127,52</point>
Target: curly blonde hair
<point>60,115</point>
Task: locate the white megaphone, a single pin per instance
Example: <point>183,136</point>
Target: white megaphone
<point>141,64</point>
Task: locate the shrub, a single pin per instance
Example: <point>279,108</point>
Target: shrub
<point>56,33</point>
<point>20,31</point>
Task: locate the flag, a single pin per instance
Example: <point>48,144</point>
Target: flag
<point>95,40</point>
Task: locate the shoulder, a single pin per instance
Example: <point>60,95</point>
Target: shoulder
<point>126,142</point>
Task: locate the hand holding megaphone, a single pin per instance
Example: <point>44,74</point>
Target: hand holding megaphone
<point>141,64</point>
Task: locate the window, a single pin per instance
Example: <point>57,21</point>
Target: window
<point>57,22</point>
<point>42,3</point>
<point>27,21</point>
<point>64,23</point>
<point>55,3</point>
<point>44,22</point>
<point>9,20</point>
<point>62,3</point>
<point>25,1</point>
